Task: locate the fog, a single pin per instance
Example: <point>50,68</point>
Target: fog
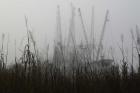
<point>123,16</point>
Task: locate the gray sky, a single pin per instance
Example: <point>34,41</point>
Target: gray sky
<point>123,15</point>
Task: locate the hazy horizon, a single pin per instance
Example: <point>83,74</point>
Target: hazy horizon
<point>123,16</point>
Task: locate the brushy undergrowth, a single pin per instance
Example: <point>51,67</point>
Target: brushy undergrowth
<point>49,79</point>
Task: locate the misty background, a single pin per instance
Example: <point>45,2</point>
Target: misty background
<point>124,15</point>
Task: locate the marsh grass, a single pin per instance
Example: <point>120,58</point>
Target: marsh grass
<point>29,74</point>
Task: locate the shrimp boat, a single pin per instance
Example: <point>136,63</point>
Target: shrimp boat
<point>72,54</point>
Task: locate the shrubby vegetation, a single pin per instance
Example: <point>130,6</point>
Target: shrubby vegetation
<point>50,79</point>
